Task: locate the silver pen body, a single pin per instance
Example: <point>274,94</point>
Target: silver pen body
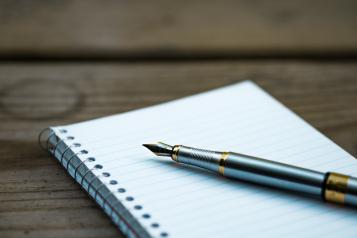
<point>332,187</point>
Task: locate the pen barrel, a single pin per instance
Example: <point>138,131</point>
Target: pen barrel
<point>274,174</point>
<point>255,170</point>
<point>331,187</point>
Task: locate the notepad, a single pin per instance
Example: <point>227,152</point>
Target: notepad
<point>147,196</point>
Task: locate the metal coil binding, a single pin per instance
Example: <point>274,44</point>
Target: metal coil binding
<point>91,182</point>
<point>84,175</point>
<point>68,149</point>
<point>105,199</point>
<point>40,137</point>
<point>62,157</point>
<point>74,156</point>
<point>97,190</point>
<point>64,152</point>
<point>49,136</point>
<point>53,152</point>
<point>76,169</point>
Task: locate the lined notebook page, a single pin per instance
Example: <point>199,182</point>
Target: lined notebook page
<point>189,202</point>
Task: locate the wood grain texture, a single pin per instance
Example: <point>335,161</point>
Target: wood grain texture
<point>37,197</point>
<point>94,28</point>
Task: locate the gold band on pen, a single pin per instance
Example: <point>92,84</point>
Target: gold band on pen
<point>175,151</point>
<point>222,162</point>
<point>336,187</point>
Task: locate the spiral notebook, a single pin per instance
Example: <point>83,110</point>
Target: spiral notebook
<point>146,196</point>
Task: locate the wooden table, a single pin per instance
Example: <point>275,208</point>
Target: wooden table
<point>68,61</point>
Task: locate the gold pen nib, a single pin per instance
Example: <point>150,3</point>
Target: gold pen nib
<point>160,149</point>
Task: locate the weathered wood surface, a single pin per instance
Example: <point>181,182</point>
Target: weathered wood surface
<point>37,197</point>
<point>111,28</point>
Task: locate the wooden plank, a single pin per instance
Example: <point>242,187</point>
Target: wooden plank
<point>38,199</point>
<point>94,28</point>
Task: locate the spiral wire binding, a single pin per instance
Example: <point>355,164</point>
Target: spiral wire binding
<point>105,199</point>
<point>53,152</point>
<point>74,156</point>
<point>78,166</point>
<point>96,190</point>
<point>91,182</point>
<point>68,148</point>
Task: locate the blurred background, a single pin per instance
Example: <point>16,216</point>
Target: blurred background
<point>170,29</point>
<point>70,60</point>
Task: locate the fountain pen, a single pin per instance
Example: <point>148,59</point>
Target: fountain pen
<point>330,186</point>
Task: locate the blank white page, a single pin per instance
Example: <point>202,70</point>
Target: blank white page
<point>189,202</point>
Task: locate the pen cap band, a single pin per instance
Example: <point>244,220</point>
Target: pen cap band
<point>341,189</point>
<point>222,162</point>
<point>175,151</point>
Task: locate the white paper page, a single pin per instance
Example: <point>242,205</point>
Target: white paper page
<point>188,202</point>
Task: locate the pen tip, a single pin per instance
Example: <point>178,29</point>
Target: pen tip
<point>159,148</point>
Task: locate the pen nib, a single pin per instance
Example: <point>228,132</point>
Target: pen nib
<point>159,149</point>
